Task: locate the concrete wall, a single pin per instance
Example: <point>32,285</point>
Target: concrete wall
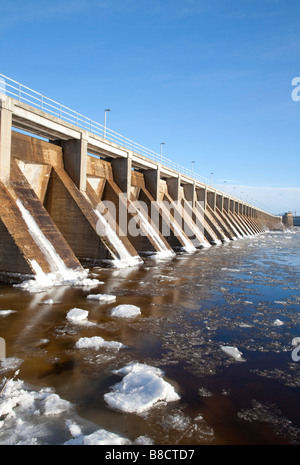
<point>61,186</point>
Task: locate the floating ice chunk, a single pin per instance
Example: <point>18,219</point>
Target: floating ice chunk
<point>141,388</point>
<point>125,311</point>
<point>27,415</point>
<point>10,364</point>
<point>74,429</point>
<point>48,302</point>
<point>143,440</point>
<point>233,352</point>
<point>277,322</point>
<point>102,297</point>
<point>103,437</point>
<point>235,270</point>
<point>203,392</point>
<point>100,437</point>
<point>77,314</point>
<point>96,342</point>
<point>6,312</point>
<point>54,405</point>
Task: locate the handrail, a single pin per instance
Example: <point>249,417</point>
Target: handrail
<point>27,95</point>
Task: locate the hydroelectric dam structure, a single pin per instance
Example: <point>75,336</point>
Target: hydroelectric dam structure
<point>75,194</point>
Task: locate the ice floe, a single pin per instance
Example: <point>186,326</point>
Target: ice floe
<point>9,364</point>
<point>233,352</point>
<point>125,311</point>
<point>36,417</point>
<point>6,312</point>
<point>277,322</point>
<point>77,315</point>
<point>141,388</point>
<point>25,413</point>
<point>102,297</point>
<point>97,342</point>
<point>100,437</point>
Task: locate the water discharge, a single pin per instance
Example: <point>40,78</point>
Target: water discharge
<point>124,259</point>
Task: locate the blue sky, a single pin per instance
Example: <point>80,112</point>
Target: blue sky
<point>210,78</point>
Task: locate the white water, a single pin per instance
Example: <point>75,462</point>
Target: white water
<point>188,246</point>
<point>163,251</point>
<point>59,274</point>
<point>126,259</point>
<point>54,260</point>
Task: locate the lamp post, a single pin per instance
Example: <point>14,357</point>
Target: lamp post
<point>161,144</point>
<point>193,165</point>
<point>211,174</point>
<point>104,130</point>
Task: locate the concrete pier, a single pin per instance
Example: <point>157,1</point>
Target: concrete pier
<point>64,185</point>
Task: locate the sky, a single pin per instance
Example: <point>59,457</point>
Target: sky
<point>212,79</point>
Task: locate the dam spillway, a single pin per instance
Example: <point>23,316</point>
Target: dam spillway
<point>70,198</point>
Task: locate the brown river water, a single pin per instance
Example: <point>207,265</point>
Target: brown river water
<point>244,295</point>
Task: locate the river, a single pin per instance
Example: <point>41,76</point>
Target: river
<point>208,355</point>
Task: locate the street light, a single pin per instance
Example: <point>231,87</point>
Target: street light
<point>104,130</point>
<point>161,144</point>
<point>193,165</point>
<point>211,174</point>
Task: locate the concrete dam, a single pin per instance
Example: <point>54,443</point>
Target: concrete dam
<point>74,195</point>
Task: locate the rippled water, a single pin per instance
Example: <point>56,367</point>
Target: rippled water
<point>244,294</point>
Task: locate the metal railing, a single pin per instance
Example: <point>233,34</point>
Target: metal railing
<point>26,95</point>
